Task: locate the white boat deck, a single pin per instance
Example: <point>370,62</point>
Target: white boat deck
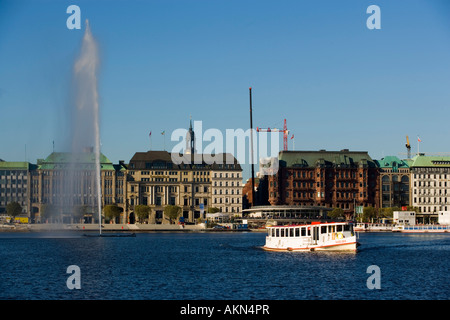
<point>336,236</point>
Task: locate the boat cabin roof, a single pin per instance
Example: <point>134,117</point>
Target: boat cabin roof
<point>309,225</point>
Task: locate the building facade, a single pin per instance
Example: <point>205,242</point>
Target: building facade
<point>430,185</point>
<point>15,185</point>
<point>334,179</point>
<point>65,181</point>
<point>156,180</point>
<point>394,182</point>
<point>226,187</point>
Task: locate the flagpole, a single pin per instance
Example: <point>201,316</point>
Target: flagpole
<point>418,145</point>
<point>150,136</point>
<point>164,134</point>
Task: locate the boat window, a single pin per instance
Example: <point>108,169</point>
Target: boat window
<point>297,232</point>
<point>323,229</point>
<point>339,228</point>
<point>278,232</point>
<point>315,233</point>
<point>291,232</point>
<point>346,227</point>
<point>303,231</point>
<point>282,232</point>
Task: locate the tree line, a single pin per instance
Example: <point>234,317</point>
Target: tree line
<point>143,213</point>
<point>370,214</point>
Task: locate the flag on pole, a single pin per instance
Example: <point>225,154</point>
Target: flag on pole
<point>163,132</point>
<point>292,137</point>
<point>418,139</point>
<point>150,134</point>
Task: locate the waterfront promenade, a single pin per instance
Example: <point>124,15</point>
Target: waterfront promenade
<point>105,227</point>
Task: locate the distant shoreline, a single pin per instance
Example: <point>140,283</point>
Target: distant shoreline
<point>137,228</point>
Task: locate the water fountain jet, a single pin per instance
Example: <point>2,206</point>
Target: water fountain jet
<point>86,128</point>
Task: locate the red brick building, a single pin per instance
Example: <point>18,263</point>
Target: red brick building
<point>335,179</point>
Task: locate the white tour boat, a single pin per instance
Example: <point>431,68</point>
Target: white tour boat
<point>372,227</point>
<point>317,236</point>
<point>431,228</point>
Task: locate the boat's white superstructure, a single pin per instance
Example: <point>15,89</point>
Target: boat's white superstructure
<point>333,236</point>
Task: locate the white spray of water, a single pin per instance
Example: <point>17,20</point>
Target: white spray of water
<point>86,130</point>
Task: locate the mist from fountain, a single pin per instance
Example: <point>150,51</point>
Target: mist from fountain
<point>85,115</point>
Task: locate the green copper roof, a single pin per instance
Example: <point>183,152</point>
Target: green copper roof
<point>430,161</point>
<point>14,165</point>
<point>328,158</point>
<point>391,162</point>
<point>59,160</point>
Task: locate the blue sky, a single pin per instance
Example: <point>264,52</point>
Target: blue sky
<point>315,63</point>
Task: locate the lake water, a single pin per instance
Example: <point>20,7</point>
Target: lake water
<point>220,266</point>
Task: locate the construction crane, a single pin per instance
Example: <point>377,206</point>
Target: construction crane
<point>408,147</point>
<point>284,130</point>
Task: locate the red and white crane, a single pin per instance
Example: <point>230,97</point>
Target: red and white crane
<point>284,130</point>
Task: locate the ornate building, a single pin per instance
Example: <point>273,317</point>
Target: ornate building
<point>155,180</point>
<point>430,185</point>
<point>226,185</point>
<point>335,179</point>
<point>66,181</point>
<point>394,182</point>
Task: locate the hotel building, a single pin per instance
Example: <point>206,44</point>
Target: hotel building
<point>155,180</point>
<point>394,182</point>
<point>334,179</point>
<point>64,181</point>
<point>430,185</point>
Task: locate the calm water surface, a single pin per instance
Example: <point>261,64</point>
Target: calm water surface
<point>220,266</point>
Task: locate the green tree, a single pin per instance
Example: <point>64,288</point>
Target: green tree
<point>213,210</point>
<point>142,211</point>
<point>387,212</point>
<point>336,213</point>
<point>48,211</point>
<point>411,208</point>
<point>172,212</point>
<point>79,212</point>
<point>369,213</point>
<point>13,209</point>
<point>112,211</point>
